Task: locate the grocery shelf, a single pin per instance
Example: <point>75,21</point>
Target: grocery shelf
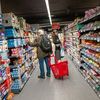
<point>28,50</point>
<point>72,31</point>
<point>13,57</point>
<point>19,65</point>
<point>6,27</point>
<point>15,47</point>
<point>91,65</point>
<point>91,38</point>
<point>13,42</point>
<point>3,80</point>
<point>93,87</point>
<point>72,36</point>
<point>91,48</point>
<point>4,51</point>
<point>86,39</point>
<point>93,17</point>
<point>91,57</point>
<point>87,30</point>
<point>90,82</point>
<point>17,91</point>
<point>23,73</point>
<point>6,93</point>
<point>14,38</point>
<point>96,79</point>
<point>73,60</point>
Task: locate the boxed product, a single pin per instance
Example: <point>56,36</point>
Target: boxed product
<point>12,43</point>
<point>11,32</point>
<point>8,82</point>
<point>22,23</point>
<point>3,74</point>
<point>15,73</point>
<point>4,55</point>
<point>1,19</point>
<point>3,89</point>
<point>3,45</point>
<point>28,27</point>
<point>22,70</point>
<point>17,85</point>
<point>21,32</point>
<point>14,52</point>
<point>10,20</point>
<point>19,42</point>
<point>23,42</point>
<point>2,35</point>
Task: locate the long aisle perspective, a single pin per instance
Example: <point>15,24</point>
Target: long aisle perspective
<point>73,88</point>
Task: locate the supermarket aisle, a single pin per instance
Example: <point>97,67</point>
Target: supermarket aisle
<point>74,88</point>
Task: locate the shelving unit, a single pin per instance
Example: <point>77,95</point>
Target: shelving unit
<point>5,76</point>
<point>88,46</point>
<point>90,49</point>
<point>22,57</point>
<point>72,42</point>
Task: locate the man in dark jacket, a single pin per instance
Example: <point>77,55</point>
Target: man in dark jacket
<point>42,56</point>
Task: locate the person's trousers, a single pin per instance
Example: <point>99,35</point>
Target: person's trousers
<point>41,64</point>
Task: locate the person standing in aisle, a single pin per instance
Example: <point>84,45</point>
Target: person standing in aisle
<point>42,53</point>
<point>57,43</point>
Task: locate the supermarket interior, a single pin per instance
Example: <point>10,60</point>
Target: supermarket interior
<point>65,34</point>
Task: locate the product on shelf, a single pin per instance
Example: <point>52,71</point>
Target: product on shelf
<point>11,32</point>
<point>91,14</point>
<point>91,36</point>
<point>90,27</point>
<point>22,23</point>
<point>10,20</point>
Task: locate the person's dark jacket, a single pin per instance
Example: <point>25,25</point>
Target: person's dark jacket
<point>37,43</point>
<point>57,41</point>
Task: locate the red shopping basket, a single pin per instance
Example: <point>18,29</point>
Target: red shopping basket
<point>59,69</point>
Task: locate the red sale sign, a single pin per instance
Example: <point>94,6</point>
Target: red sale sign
<point>55,26</point>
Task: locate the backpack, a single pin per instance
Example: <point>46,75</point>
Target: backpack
<point>45,44</point>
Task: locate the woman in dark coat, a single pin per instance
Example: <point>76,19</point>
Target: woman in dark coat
<point>57,43</point>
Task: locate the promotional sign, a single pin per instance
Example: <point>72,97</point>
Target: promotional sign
<point>55,26</point>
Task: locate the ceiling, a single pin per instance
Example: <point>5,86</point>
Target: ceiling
<point>34,11</point>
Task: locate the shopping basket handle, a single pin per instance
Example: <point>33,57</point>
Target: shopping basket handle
<point>56,61</point>
<point>55,58</point>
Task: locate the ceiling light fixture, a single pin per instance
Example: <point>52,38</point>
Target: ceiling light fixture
<point>48,9</point>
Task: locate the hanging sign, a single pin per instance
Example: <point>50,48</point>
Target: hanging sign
<point>55,26</point>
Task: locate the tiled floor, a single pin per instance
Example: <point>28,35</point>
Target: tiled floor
<point>73,88</point>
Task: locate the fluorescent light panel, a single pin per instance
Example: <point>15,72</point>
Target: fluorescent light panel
<point>48,9</point>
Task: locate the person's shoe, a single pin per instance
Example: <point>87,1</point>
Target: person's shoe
<point>41,77</point>
<point>48,75</point>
